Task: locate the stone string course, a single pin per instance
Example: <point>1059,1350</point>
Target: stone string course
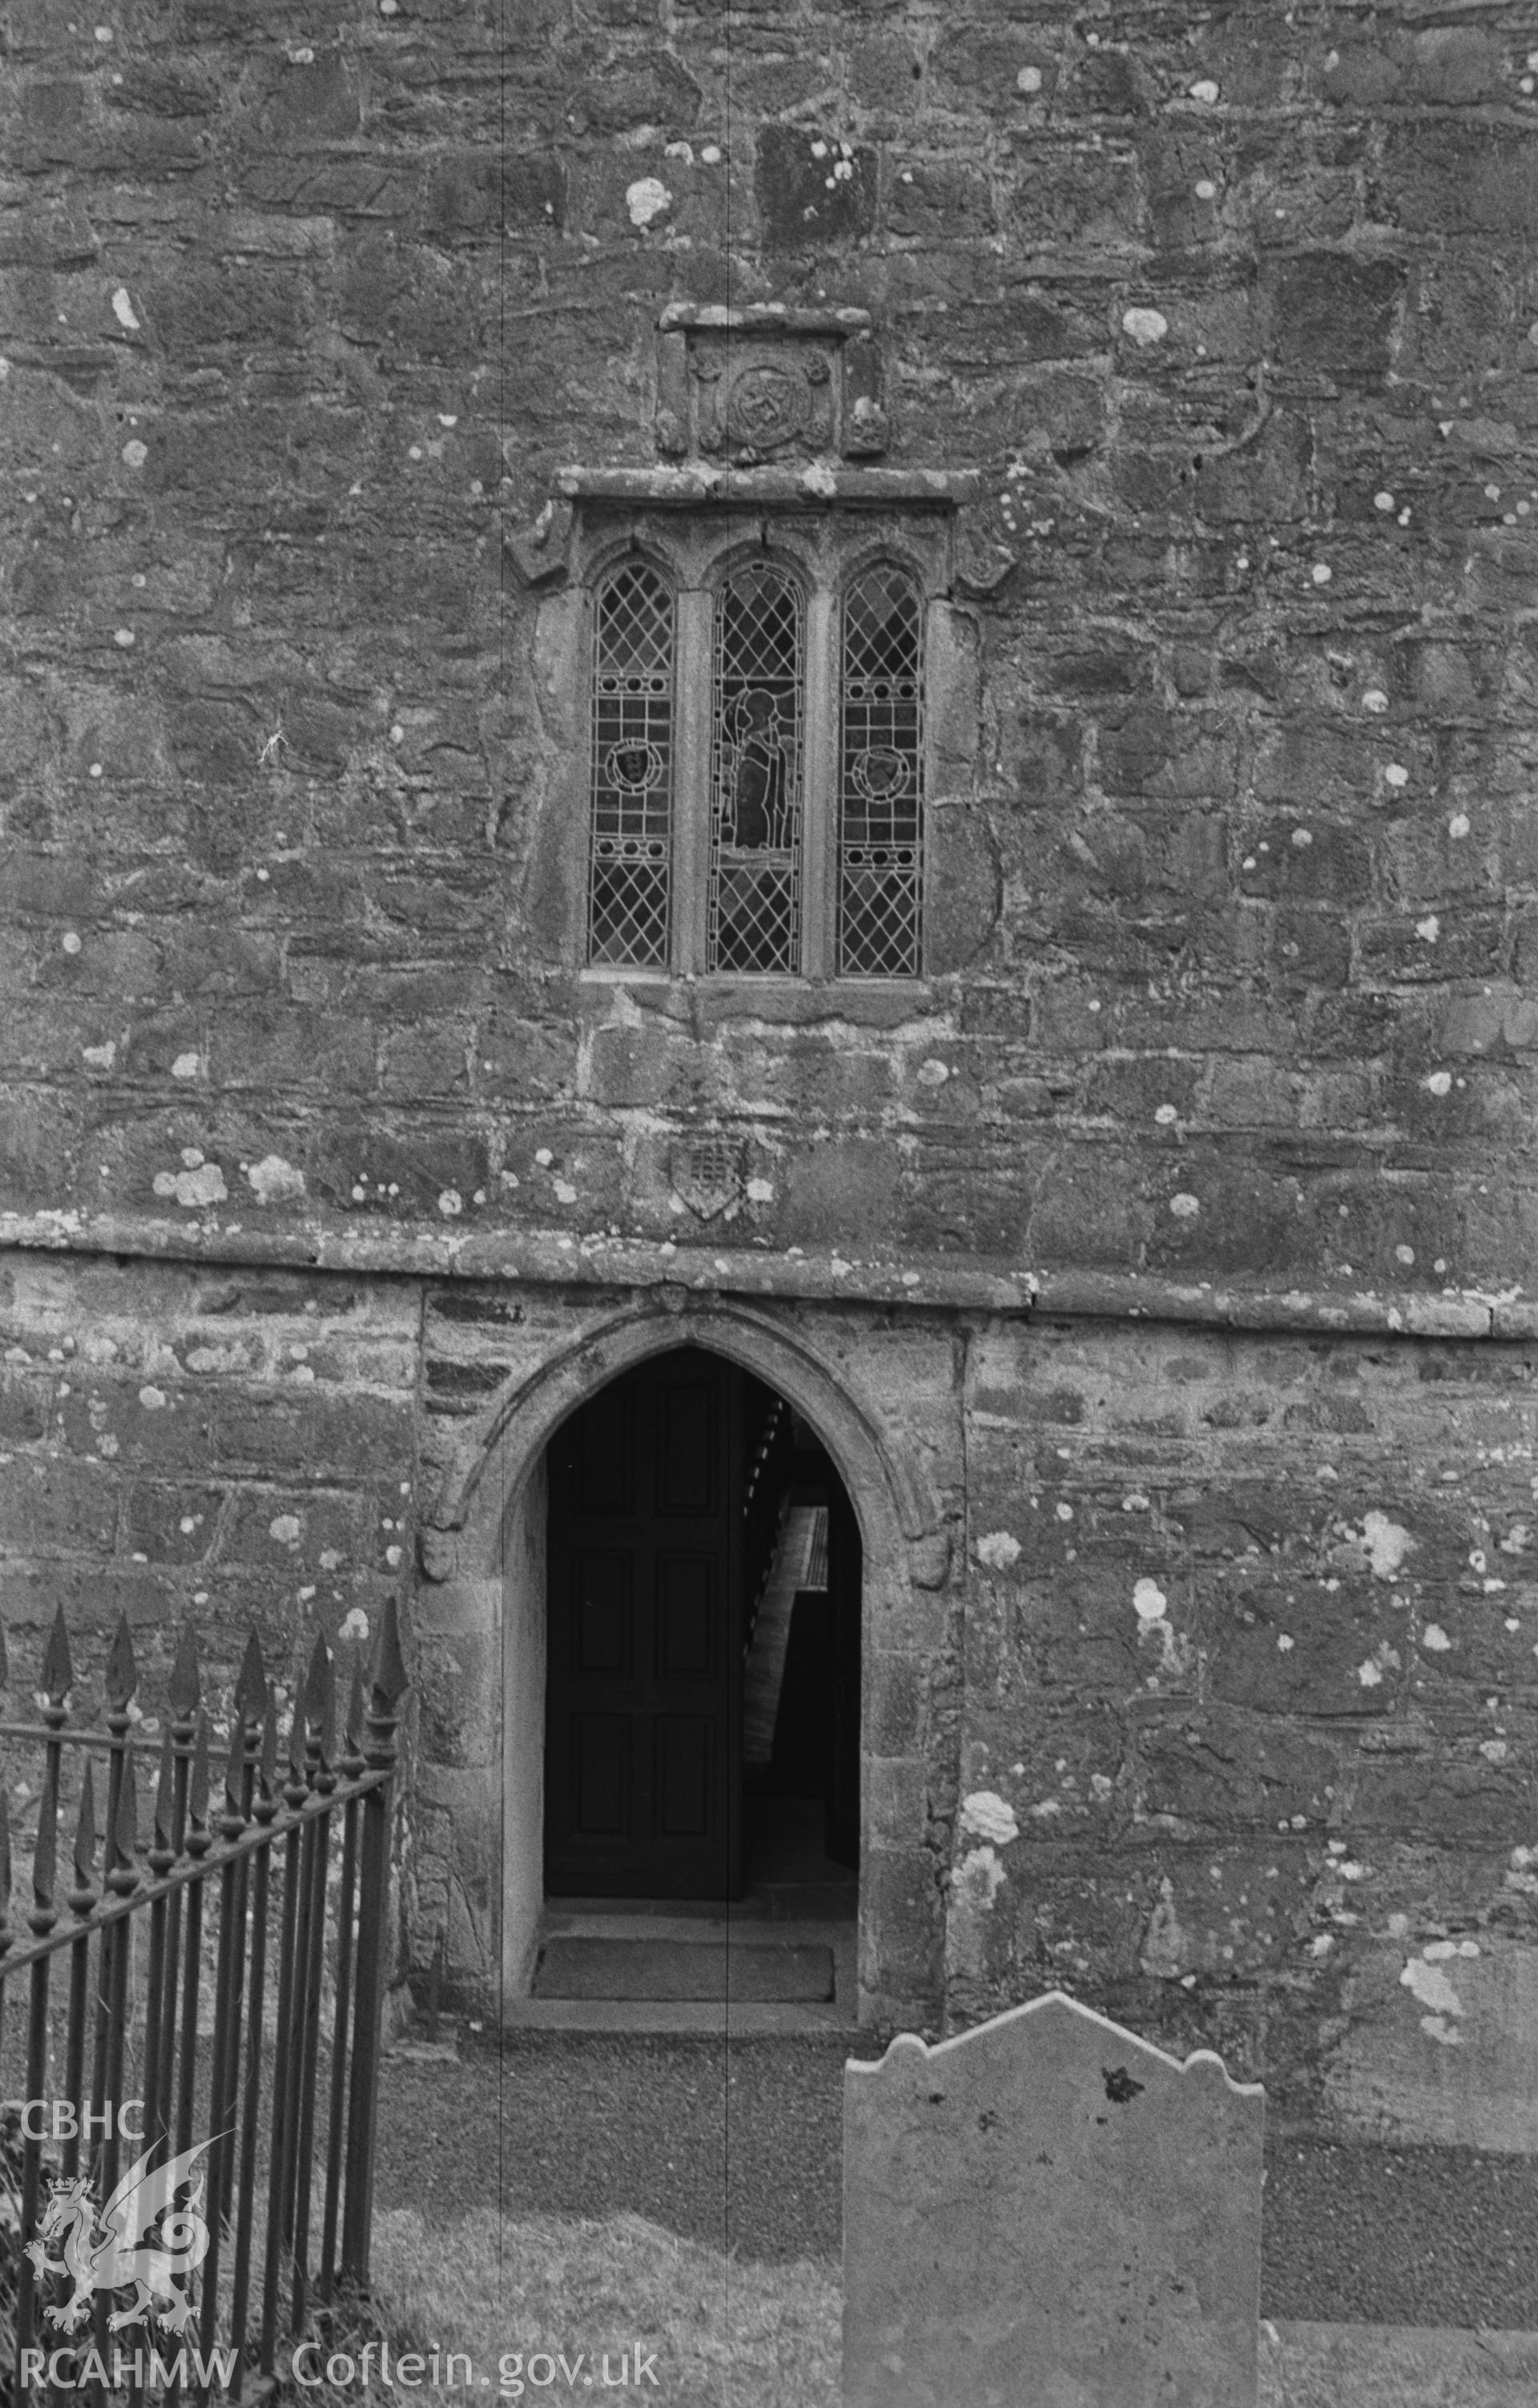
<point>1197,1169</point>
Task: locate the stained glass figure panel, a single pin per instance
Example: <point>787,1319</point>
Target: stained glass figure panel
<point>757,706</point>
<point>881,800</point>
<point>628,887</point>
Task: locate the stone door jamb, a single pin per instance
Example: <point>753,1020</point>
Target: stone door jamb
<point>469,1559</point>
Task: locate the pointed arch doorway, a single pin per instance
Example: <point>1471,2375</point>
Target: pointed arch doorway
<point>703,1583</point>
<point>494,1521</point>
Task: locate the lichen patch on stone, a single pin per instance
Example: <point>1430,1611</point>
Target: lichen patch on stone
<point>1430,1985</point>
<point>1146,325</point>
<point>647,199</point>
<point>1149,1603</point>
<point>202,1184</point>
<point>980,1877</point>
<point>273,1180</point>
<point>999,1549</point>
<point>1385,1542</point>
<point>1167,1947</point>
<point>988,1816</point>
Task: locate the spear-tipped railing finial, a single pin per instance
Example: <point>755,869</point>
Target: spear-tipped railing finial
<point>267,1763</point>
<point>387,1685</point>
<point>58,1674</point>
<point>251,1689</point>
<point>185,1686</point>
<point>122,1676</point>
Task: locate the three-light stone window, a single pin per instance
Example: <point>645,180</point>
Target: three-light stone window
<point>757,772</point>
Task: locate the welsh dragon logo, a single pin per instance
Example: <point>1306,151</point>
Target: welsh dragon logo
<point>108,2248</point>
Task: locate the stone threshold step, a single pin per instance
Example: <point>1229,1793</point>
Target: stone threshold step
<point>663,1971</point>
<point>694,1932</point>
<point>776,1902</point>
<point>713,2018</point>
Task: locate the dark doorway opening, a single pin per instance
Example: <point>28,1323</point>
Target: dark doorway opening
<point>703,1683</point>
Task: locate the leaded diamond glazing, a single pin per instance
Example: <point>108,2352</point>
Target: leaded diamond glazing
<point>882,778</point>
<point>632,769</point>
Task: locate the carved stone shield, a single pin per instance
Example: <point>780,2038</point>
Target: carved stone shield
<point>709,1173</point>
<point>766,404</point>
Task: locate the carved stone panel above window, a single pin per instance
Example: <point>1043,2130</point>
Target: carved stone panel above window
<point>749,386</point>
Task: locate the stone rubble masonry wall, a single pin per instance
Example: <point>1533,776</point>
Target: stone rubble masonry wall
<point>1233,915</point>
<point>304,309</point>
<point>1210,1691</point>
<point>1258,1690</point>
<point>177,1441</point>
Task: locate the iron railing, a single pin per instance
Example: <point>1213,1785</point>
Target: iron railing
<point>165,2006</point>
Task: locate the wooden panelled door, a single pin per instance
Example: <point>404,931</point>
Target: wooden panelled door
<point>644,1680</point>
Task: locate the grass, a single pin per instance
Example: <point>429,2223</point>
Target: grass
<point>715,2331</point>
<point>718,2332</point>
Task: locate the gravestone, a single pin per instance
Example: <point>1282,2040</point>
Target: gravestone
<point>1048,2213</point>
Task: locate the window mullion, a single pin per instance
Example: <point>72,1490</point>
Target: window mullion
<point>820,820</point>
<point>691,790</point>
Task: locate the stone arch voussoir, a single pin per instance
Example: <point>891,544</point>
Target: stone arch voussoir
<point>893,1497</point>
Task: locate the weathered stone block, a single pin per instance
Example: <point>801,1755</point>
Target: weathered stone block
<point>653,88</point>
<point>1463,176</point>
<point>52,1504</point>
<point>1404,2068</point>
<point>1222,1772</point>
<point>901,1919</point>
<point>460,1698</point>
<point>813,188</point>
<point>1147,751</point>
<point>171,1525</point>
<point>1361,76</point>
<point>1335,313</point>
<point>1072,194</point>
<point>313,99</point>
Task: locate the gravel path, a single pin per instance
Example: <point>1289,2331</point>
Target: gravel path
<point>745,2154</point>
